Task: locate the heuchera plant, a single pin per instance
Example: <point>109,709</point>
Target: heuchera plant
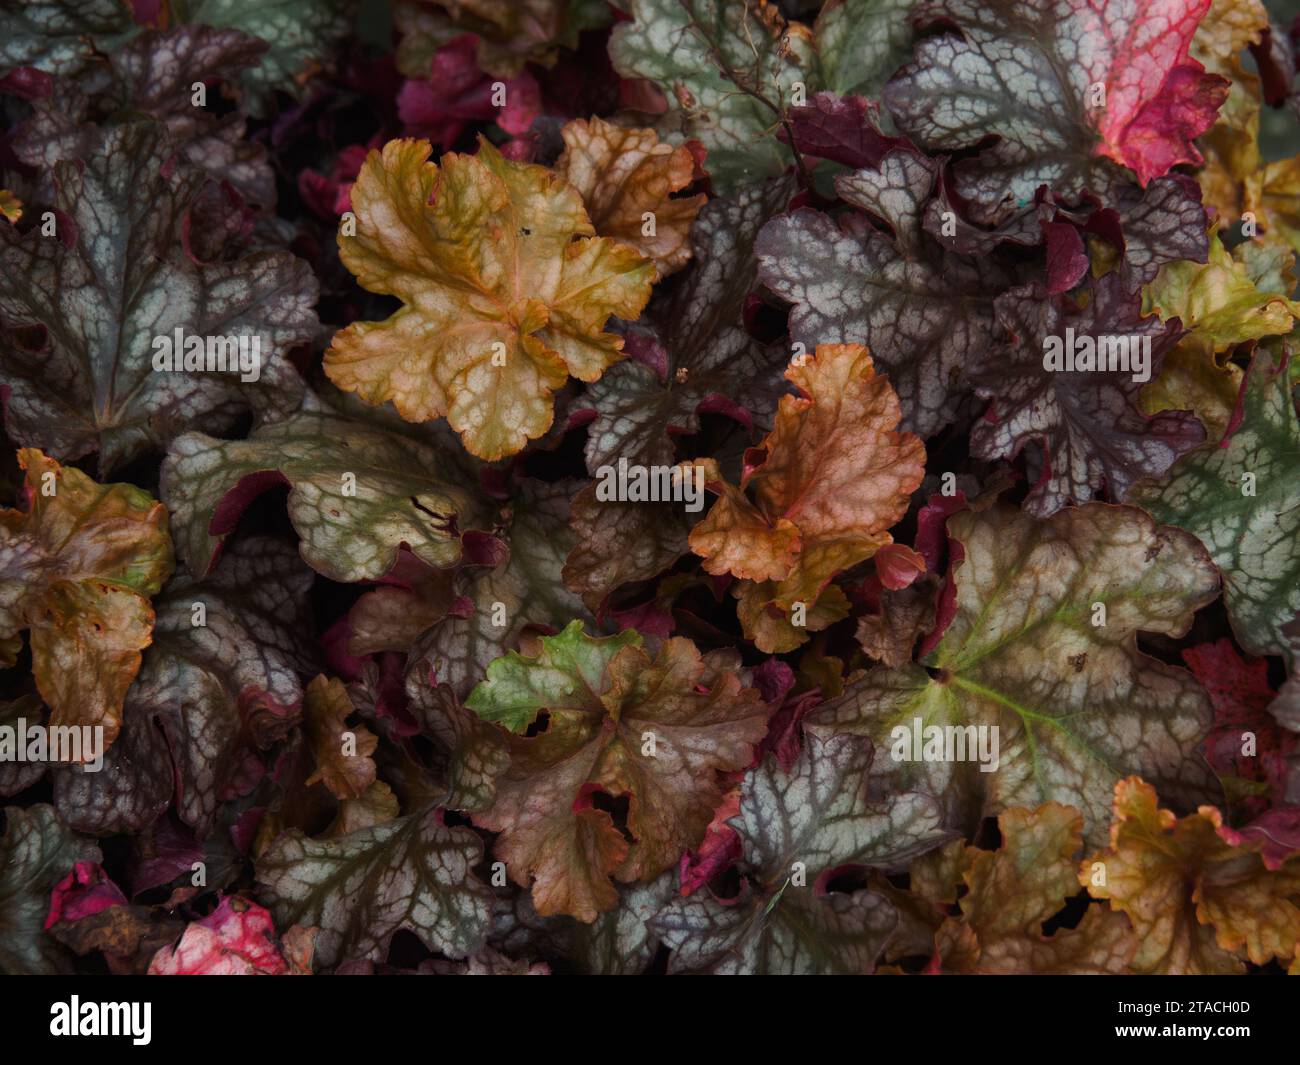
<point>657,486</point>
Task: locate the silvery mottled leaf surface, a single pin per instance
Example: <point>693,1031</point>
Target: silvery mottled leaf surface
<point>801,826</point>
<point>123,278</point>
<point>154,75</point>
<point>1242,499</point>
<point>402,494</point>
<point>730,486</point>
<point>924,313</point>
<point>728,71</point>
<point>414,873</point>
<point>708,359</point>
<point>36,852</point>
<point>1076,704</point>
<point>1092,434</point>
<point>61,36</point>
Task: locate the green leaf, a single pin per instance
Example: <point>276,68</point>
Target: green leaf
<point>402,494</point>
<point>796,829</point>
<point>125,281</point>
<point>569,669</point>
<point>862,42</point>
<point>302,36</point>
<point>1224,301</point>
<point>62,36</point>
<point>728,70</point>
<point>35,854</point>
<point>413,873</point>
<point>1043,648</point>
<point>1242,499</point>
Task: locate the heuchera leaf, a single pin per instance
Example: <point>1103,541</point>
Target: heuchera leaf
<point>1198,902</point>
<point>1242,499</point>
<point>235,939</point>
<point>620,542</point>
<point>520,592</point>
<point>798,829</point>
<point>1246,747</point>
<point>978,321</point>
<point>219,692</point>
<point>1158,224</point>
<point>1279,201</point>
<point>1286,707</point>
<point>844,129</point>
<point>1043,647</point>
<point>77,568</point>
<point>357,493</point>
<point>36,852</point>
<point>134,785</point>
<point>624,174</point>
<point>345,768</point>
<point>1192,377</point>
<point>1012,891</point>
<point>452,92</point>
<point>392,617</point>
<point>891,634</point>
<point>414,873</point>
<point>16,776</point>
<point>154,75</point>
<point>377,805</point>
<point>820,493</point>
<point>655,733</point>
<point>1235,179</point>
<point>925,312</point>
<point>62,36</point>
<point>301,37</point>
<point>1086,421</point>
<point>469,756</point>
<point>862,42</point>
<point>89,913</point>
<point>500,302</point>
<point>1219,300</point>
<point>728,69</point>
<point>1133,231</point>
<point>121,282</point>
<point>510,32</point>
<point>1064,86</point>
<point>617,943</point>
<point>699,358</point>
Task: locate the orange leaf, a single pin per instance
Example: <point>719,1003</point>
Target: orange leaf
<point>342,754</point>
<point>823,489</point>
<point>1200,900</point>
<point>505,292</point>
<point>627,178</point>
